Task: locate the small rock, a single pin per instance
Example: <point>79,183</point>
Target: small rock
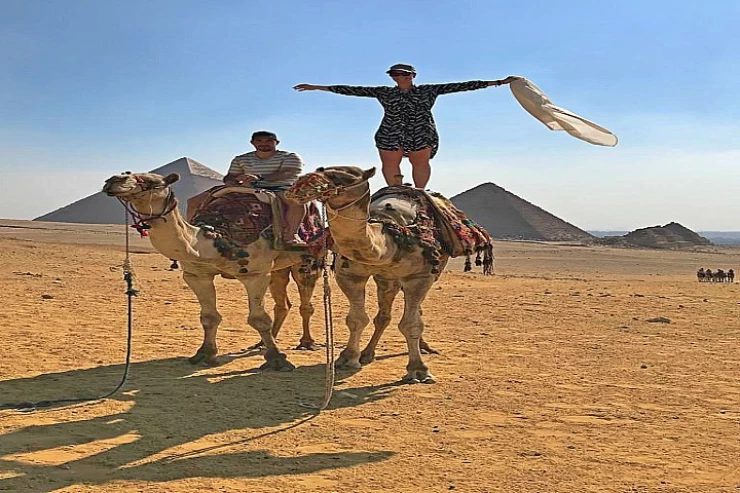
<point>643,366</point>
<point>47,297</point>
<point>659,320</point>
<point>348,395</point>
<point>624,326</point>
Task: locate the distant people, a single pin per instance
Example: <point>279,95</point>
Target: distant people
<point>268,168</point>
<point>719,275</point>
<point>408,128</point>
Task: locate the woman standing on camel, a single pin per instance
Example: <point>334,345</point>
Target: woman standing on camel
<point>408,127</point>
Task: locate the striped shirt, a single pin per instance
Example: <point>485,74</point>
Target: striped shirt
<point>251,164</point>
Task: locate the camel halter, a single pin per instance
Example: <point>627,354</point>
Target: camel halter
<point>306,187</point>
<point>141,222</point>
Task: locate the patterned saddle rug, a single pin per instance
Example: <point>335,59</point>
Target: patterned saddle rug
<point>237,217</point>
<point>438,227</point>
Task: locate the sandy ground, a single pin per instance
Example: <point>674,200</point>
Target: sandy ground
<point>551,379</point>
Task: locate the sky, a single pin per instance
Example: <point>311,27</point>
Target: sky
<point>92,88</point>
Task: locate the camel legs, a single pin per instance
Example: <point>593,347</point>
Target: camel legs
<point>306,282</point>
<point>412,326</point>
<point>387,291</point>
<point>259,319</point>
<point>210,319</point>
<point>279,280</point>
<point>353,287</point>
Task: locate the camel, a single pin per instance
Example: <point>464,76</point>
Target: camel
<point>731,275</point>
<point>361,230</point>
<point>149,196</point>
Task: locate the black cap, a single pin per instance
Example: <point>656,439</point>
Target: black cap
<point>264,133</point>
<point>401,67</point>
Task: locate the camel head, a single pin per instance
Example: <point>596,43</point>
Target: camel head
<point>145,191</point>
<point>326,183</point>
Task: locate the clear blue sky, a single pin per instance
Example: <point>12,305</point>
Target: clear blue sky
<point>91,88</point>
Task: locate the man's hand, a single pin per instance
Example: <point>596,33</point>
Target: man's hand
<point>246,178</point>
<point>236,179</point>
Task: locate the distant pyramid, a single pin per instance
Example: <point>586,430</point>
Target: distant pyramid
<point>101,209</point>
<point>507,216</point>
<point>671,236</point>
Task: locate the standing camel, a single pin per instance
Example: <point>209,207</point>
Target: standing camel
<point>150,197</point>
<point>365,233</point>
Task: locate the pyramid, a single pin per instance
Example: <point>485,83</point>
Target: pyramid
<point>507,216</point>
<point>671,236</point>
<point>101,209</point>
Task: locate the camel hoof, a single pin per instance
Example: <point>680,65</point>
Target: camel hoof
<point>203,355</point>
<point>306,346</point>
<point>345,364</point>
<point>259,345</point>
<point>278,363</point>
<point>367,358</point>
<point>425,349</point>
<point>419,377</point>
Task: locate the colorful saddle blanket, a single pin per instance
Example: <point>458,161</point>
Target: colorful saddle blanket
<point>236,218</point>
<point>439,227</point>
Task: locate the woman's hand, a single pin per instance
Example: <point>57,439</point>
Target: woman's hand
<point>305,87</point>
<point>308,87</point>
<point>501,82</point>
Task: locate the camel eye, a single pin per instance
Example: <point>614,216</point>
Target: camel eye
<point>126,173</point>
<point>320,170</point>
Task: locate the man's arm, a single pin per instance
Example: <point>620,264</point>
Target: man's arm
<point>237,174</point>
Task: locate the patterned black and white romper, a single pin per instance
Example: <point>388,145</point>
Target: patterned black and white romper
<point>408,122</point>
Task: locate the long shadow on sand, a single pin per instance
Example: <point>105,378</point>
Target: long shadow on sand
<point>168,403</point>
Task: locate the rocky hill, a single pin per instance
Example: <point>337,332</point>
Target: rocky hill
<point>670,236</point>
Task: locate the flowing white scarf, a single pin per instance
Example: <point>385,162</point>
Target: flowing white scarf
<point>539,105</point>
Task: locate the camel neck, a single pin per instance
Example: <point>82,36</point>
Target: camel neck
<point>173,237</point>
<point>355,238</point>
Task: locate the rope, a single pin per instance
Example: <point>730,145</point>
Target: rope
<point>128,276</point>
<point>329,375</point>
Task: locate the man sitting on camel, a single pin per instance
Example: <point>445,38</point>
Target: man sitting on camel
<point>267,168</point>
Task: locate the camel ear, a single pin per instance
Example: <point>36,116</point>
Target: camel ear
<point>171,178</point>
<point>368,173</point>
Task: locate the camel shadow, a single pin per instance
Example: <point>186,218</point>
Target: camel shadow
<point>147,432</point>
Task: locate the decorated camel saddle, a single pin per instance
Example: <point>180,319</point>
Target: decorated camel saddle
<point>438,226</point>
<point>237,216</point>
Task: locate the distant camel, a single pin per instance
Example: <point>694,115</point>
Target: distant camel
<point>719,276</point>
<point>700,274</point>
<point>708,275</point>
<point>730,275</point>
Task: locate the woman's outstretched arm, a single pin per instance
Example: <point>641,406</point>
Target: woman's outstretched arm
<point>469,86</point>
<point>361,91</point>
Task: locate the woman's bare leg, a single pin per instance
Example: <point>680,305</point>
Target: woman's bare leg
<point>392,166</point>
<point>420,169</point>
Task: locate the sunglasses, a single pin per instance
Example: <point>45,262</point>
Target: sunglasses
<point>400,74</point>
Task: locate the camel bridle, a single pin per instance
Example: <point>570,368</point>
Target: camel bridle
<point>141,222</point>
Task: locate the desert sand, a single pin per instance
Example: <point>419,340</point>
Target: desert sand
<point>550,379</point>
